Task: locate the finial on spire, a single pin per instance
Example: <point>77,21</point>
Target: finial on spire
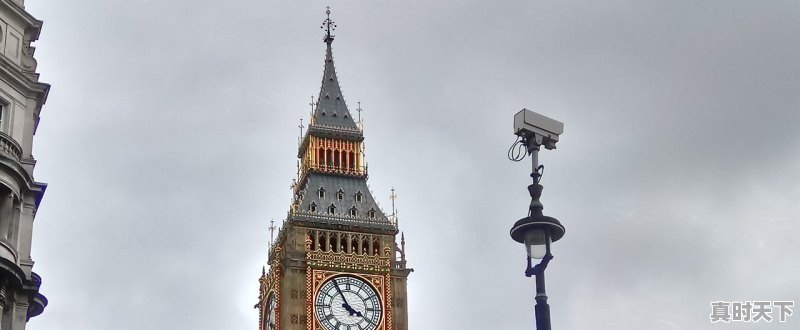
<point>393,197</point>
<point>359,115</point>
<point>301,128</point>
<point>402,246</point>
<point>271,231</point>
<point>329,26</point>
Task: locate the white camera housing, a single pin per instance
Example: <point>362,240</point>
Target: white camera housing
<point>537,129</point>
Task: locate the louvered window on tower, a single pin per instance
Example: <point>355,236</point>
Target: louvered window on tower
<point>359,196</point>
<point>371,214</point>
<point>376,246</point>
<point>335,156</point>
<point>352,161</point>
<point>332,209</point>
<point>353,212</point>
<point>340,195</point>
<point>321,192</point>
<point>312,207</point>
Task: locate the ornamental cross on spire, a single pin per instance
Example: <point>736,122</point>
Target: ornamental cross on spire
<point>329,26</point>
<point>359,111</point>
<point>271,231</point>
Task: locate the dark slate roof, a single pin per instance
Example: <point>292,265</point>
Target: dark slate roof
<point>350,186</point>
<point>331,109</point>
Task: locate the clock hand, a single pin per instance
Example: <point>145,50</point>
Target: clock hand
<point>345,304</point>
<point>352,310</point>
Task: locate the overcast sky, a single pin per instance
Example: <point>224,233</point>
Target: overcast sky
<point>169,141</point>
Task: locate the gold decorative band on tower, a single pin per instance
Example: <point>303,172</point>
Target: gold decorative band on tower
<point>347,250</point>
<point>334,156</point>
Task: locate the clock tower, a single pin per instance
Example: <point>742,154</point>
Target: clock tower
<point>334,264</point>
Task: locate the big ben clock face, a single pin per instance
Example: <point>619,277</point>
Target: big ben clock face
<point>348,303</point>
<point>269,317</point>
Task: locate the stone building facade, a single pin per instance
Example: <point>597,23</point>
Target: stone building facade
<point>21,100</point>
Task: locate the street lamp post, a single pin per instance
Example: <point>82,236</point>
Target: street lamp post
<point>537,231</point>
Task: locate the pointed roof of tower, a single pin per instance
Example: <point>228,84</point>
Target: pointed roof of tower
<point>327,194</point>
<point>341,196</point>
<point>331,109</point>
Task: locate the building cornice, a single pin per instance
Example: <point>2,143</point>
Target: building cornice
<point>12,74</point>
<point>322,221</point>
<point>13,275</point>
<point>34,26</point>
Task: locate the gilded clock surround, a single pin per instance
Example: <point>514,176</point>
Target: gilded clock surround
<point>317,277</point>
<point>372,268</point>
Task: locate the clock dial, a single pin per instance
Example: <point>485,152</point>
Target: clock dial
<point>269,316</point>
<point>348,303</point>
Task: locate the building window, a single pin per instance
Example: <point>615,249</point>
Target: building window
<point>321,192</point>
<point>340,195</point>
<point>332,209</point>
<point>359,197</point>
<point>312,207</point>
<point>371,214</point>
<point>353,212</point>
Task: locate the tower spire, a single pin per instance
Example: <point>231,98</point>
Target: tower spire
<point>330,108</point>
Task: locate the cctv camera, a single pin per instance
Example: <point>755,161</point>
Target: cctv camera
<point>537,128</point>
